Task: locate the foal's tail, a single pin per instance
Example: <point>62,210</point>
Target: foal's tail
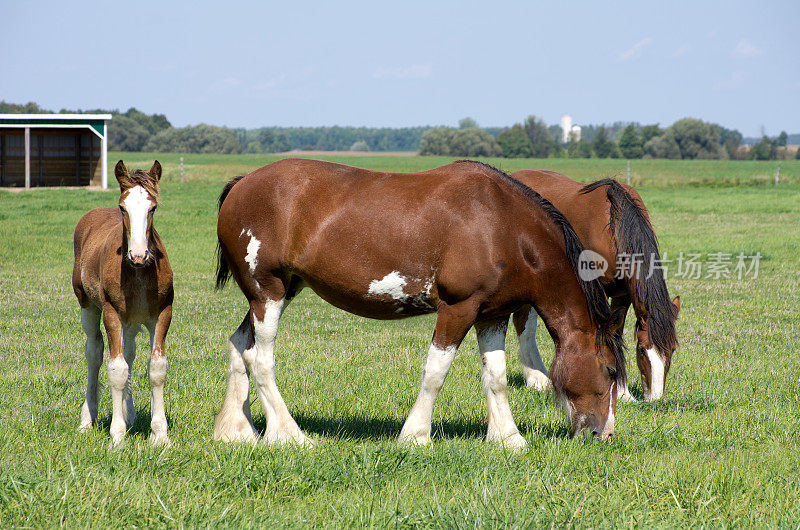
<point>635,238</point>
<point>223,270</point>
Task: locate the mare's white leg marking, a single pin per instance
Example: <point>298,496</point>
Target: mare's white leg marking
<point>624,394</point>
<point>417,427</point>
<point>655,390</point>
<point>502,428</point>
<point>129,351</point>
<point>90,322</point>
<point>137,204</point>
<point>391,284</point>
<point>281,427</point>
<point>117,379</point>
<point>536,375</point>
<point>252,251</point>
<point>157,373</point>
<point>608,428</point>
<point>234,422</point>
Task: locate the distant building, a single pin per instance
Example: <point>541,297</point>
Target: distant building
<point>569,131</point>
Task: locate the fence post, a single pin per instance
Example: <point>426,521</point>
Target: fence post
<point>181,170</point>
<point>629,173</point>
<point>778,173</point>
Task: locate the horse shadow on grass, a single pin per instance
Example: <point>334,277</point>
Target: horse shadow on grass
<point>141,426</point>
<point>363,428</point>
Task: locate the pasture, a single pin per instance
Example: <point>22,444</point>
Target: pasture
<point>721,448</point>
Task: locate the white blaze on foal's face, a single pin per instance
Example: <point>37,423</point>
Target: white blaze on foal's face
<point>138,206</point>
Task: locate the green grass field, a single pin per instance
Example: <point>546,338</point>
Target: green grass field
<point>721,448</point>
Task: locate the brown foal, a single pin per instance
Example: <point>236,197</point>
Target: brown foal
<point>122,273</point>
<point>611,220</point>
<point>463,240</point>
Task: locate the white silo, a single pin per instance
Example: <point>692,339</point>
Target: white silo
<point>566,127</point>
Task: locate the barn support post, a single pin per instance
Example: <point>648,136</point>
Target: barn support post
<point>27,157</point>
<point>40,148</point>
<point>104,155</point>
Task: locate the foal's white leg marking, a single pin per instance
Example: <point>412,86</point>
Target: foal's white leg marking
<point>90,322</point>
<point>536,375</point>
<point>117,379</point>
<point>234,422</point>
<point>624,394</point>
<point>502,428</point>
<point>157,373</point>
<point>655,389</point>
<point>391,284</point>
<point>137,204</point>
<point>417,427</point>
<point>281,427</point>
<point>252,251</point>
<point>608,428</point>
<point>129,351</point>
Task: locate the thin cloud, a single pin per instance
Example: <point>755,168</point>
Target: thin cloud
<point>634,51</point>
<point>414,71</point>
<point>682,50</point>
<point>746,50</point>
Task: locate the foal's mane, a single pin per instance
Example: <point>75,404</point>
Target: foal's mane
<point>141,178</point>
<point>596,298</point>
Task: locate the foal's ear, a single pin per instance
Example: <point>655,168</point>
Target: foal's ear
<point>120,170</point>
<point>155,171</point>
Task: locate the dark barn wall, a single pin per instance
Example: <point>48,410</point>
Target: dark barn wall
<point>59,157</point>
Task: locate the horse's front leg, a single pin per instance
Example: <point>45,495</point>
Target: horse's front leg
<point>536,375</point>
<point>491,343</point>
<point>619,310</point>
<point>117,372</point>
<point>452,324</point>
<point>157,372</point>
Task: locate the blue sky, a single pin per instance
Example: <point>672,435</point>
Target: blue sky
<point>250,64</point>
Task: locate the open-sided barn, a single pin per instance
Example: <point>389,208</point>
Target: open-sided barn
<point>53,150</point>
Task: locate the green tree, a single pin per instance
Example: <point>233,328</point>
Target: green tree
<point>473,142</point>
<point>781,140</point>
<point>359,145</point>
<point>765,149</point>
<point>195,139</point>
<point>436,141</point>
<point>663,146</point>
<point>515,143</point>
<point>630,143</point>
<point>730,139</point>
<point>467,123</point>
<point>603,146</point>
<point>649,132</point>
<point>797,154</point>
<point>537,132</point>
<point>697,139</point>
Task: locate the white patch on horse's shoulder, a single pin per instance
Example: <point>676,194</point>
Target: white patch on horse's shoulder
<point>252,251</point>
<point>241,233</point>
<point>392,284</point>
<point>656,387</point>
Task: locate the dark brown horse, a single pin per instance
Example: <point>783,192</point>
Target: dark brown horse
<point>611,220</point>
<point>464,240</point>
<point>122,273</point>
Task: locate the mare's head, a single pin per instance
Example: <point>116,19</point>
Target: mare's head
<point>586,373</point>
<point>655,344</point>
<point>137,201</point>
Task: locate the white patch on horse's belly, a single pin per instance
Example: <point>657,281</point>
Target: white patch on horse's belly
<point>392,284</point>
<point>252,251</point>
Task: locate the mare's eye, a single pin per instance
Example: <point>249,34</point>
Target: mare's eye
<point>121,209</point>
<point>612,372</point>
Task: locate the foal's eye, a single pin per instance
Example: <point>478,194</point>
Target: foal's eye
<point>121,209</point>
<point>612,372</point>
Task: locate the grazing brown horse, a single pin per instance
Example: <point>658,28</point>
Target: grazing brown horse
<point>464,240</point>
<point>610,218</point>
<point>122,273</point>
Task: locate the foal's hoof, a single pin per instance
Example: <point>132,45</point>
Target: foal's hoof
<point>294,437</point>
<point>419,440</point>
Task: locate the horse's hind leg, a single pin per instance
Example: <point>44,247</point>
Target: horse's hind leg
<point>491,343</point>
<point>536,375</point>
<point>157,373</point>
<point>234,422</point>
<point>129,351</point>
<point>281,427</point>
<point>90,322</point>
<point>619,310</point>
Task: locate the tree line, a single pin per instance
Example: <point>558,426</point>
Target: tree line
<point>687,138</point>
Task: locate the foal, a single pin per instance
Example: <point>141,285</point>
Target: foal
<point>122,273</point>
